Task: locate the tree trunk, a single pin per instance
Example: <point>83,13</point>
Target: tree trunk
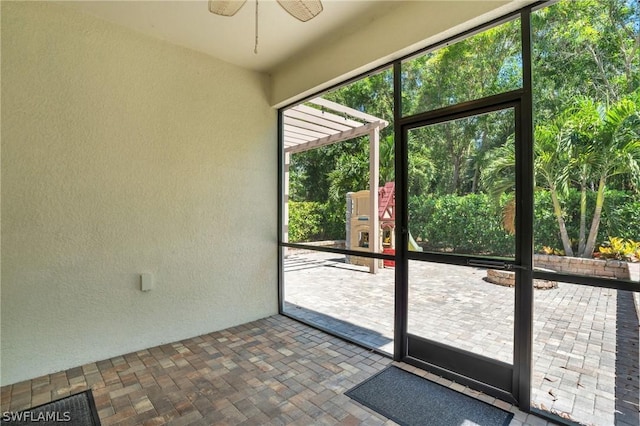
<point>476,177</point>
<point>583,217</point>
<point>557,209</point>
<point>595,223</point>
<point>455,181</point>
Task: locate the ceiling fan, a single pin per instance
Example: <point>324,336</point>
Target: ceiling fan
<point>303,10</point>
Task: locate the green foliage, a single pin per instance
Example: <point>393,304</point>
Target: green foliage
<point>460,224</point>
<point>473,223</point>
<point>620,249</point>
<point>584,48</point>
<point>305,221</point>
<point>314,221</point>
<point>485,64</point>
<point>619,217</point>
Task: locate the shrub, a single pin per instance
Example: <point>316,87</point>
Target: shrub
<point>620,215</point>
<point>315,221</point>
<point>620,249</point>
<point>305,221</point>
<point>473,223</point>
<point>462,224</point>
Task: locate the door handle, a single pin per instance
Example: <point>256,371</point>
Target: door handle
<point>511,266</point>
<point>493,264</point>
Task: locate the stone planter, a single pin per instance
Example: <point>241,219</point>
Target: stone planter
<point>614,269</point>
<point>508,279</point>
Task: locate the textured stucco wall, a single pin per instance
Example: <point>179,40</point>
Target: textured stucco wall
<point>123,155</point>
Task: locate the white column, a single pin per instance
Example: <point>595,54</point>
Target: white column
<point>374,177</point>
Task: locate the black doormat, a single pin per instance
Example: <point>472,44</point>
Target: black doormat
<point>74,410</point>
<point>410,400</point>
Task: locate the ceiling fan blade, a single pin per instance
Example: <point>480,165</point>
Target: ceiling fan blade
<point>225,7</point>
<point>303,10</point>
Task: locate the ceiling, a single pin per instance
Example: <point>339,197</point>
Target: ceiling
<point>281,36</point>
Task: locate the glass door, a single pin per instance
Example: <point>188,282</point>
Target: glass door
<point>462,253</point>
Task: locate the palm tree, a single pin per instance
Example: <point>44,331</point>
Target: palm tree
<point>616,151</point>
<point>498,177</point>
<point>588,142</point>
<point>387,165</point>
<point>582,122</point>
<point>551,165</point>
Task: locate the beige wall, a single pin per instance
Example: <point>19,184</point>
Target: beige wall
<point>123,155</point>
<point>401,28</point>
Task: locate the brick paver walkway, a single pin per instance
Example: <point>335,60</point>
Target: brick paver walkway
<point>585,338</point>
<point>275,371</point>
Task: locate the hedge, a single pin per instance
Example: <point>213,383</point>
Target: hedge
<point>473,223</point>
<point>620,217</point>
<point>315,221</point>
<point>461,224</point>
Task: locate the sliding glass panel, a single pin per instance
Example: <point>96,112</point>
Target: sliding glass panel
<point>324,290</point>
<point>333,146</point>
<point>481,65</point>
<point>586,75</point>
<point>461,185</point>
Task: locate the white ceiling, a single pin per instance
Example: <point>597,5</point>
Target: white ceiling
<point>281,36</point>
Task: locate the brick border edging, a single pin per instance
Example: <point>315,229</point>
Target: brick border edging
<point>508,279</point>
<point>590,267</point>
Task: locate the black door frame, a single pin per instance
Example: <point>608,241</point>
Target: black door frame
<point>520,392</point>
<point>497,378</point>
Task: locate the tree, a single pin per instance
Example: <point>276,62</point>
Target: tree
<point>551,166</point>
<point>584,49</point>
<point>586,63</point>
<point>587,144</point>
<point>616,152</point>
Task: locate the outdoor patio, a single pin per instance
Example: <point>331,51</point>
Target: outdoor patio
<point>274,371</point>
<point>585,353</point>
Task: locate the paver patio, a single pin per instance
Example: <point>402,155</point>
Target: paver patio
<point>274,371</point>
<point>585,349</point>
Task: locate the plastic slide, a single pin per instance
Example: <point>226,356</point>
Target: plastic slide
<point>413,246</point>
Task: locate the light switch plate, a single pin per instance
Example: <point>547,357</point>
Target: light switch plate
<point>146,282</point>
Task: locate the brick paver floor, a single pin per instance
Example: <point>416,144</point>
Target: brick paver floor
<point>585,351</point>
<point>273,371</point>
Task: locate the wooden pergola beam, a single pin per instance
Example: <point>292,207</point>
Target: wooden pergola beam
<point>345,109</point>
<point>324,115</point>
<point>319,121</point>
<point>364,129</point>
<point>306,127</point>
<point>290,122</point>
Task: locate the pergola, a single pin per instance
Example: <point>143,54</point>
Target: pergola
<point>321,122</point>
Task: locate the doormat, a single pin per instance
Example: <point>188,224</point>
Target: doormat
<point>74,410</point>
<point>410,400</point>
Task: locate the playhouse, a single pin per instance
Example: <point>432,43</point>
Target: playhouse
<point>358,224</point>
